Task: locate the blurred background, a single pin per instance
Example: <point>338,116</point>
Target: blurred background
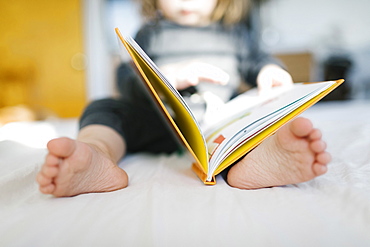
<point>56,56</point>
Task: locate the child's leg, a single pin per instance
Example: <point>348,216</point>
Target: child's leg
<point>295,154</point>
<point>109,129</point>
<point>85,165</point>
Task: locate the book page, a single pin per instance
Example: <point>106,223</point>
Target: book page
<point>184,124</point>
<point>238,105</point>
<point>223,138</point>
<point>269,130</point>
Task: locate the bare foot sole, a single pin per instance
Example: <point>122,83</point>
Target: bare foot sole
<point>72,167</point>
<point>294,154</point>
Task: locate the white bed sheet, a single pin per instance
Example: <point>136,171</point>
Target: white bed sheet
<point>166,205</point>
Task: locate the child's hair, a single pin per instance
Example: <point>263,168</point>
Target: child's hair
<point>227,11</point>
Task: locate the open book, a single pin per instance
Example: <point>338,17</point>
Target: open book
<point>232,130</point>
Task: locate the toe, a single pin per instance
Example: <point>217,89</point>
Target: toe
<point>318,146</point>
<point>319,169</point>
<point>315,134</point>
<point>50,171</point>
<point>62,147</point>
<point>301,127</point>
<point>42,180</point>
<point>47,189</point>
<point>323,158</point>
<point>52,160</point>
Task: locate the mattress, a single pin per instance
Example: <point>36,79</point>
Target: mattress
<point>166,204</point>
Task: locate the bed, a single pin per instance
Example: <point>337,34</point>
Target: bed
<point>167,205</point>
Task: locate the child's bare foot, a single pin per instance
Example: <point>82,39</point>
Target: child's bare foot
<point>295,154</point>
<point>74,167</point>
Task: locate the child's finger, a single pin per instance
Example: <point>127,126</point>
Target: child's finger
<point>212,74</point>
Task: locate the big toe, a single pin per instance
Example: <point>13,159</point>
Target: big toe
<point>301,127</point>
<point>62,147</point>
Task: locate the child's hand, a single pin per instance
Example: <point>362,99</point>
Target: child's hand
<point>186,74</point>
<point>272,75</point>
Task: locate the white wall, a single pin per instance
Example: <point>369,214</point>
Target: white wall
<point>323,27</point>
<point>101,43</point>
<point>302,24</point>
<point>319,26</point>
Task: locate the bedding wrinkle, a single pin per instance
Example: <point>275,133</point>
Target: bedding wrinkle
<point>16,187</point>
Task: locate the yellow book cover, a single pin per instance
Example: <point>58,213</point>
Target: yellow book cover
<point>234,128</point>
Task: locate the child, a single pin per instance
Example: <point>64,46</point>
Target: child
<point>200,47</point>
